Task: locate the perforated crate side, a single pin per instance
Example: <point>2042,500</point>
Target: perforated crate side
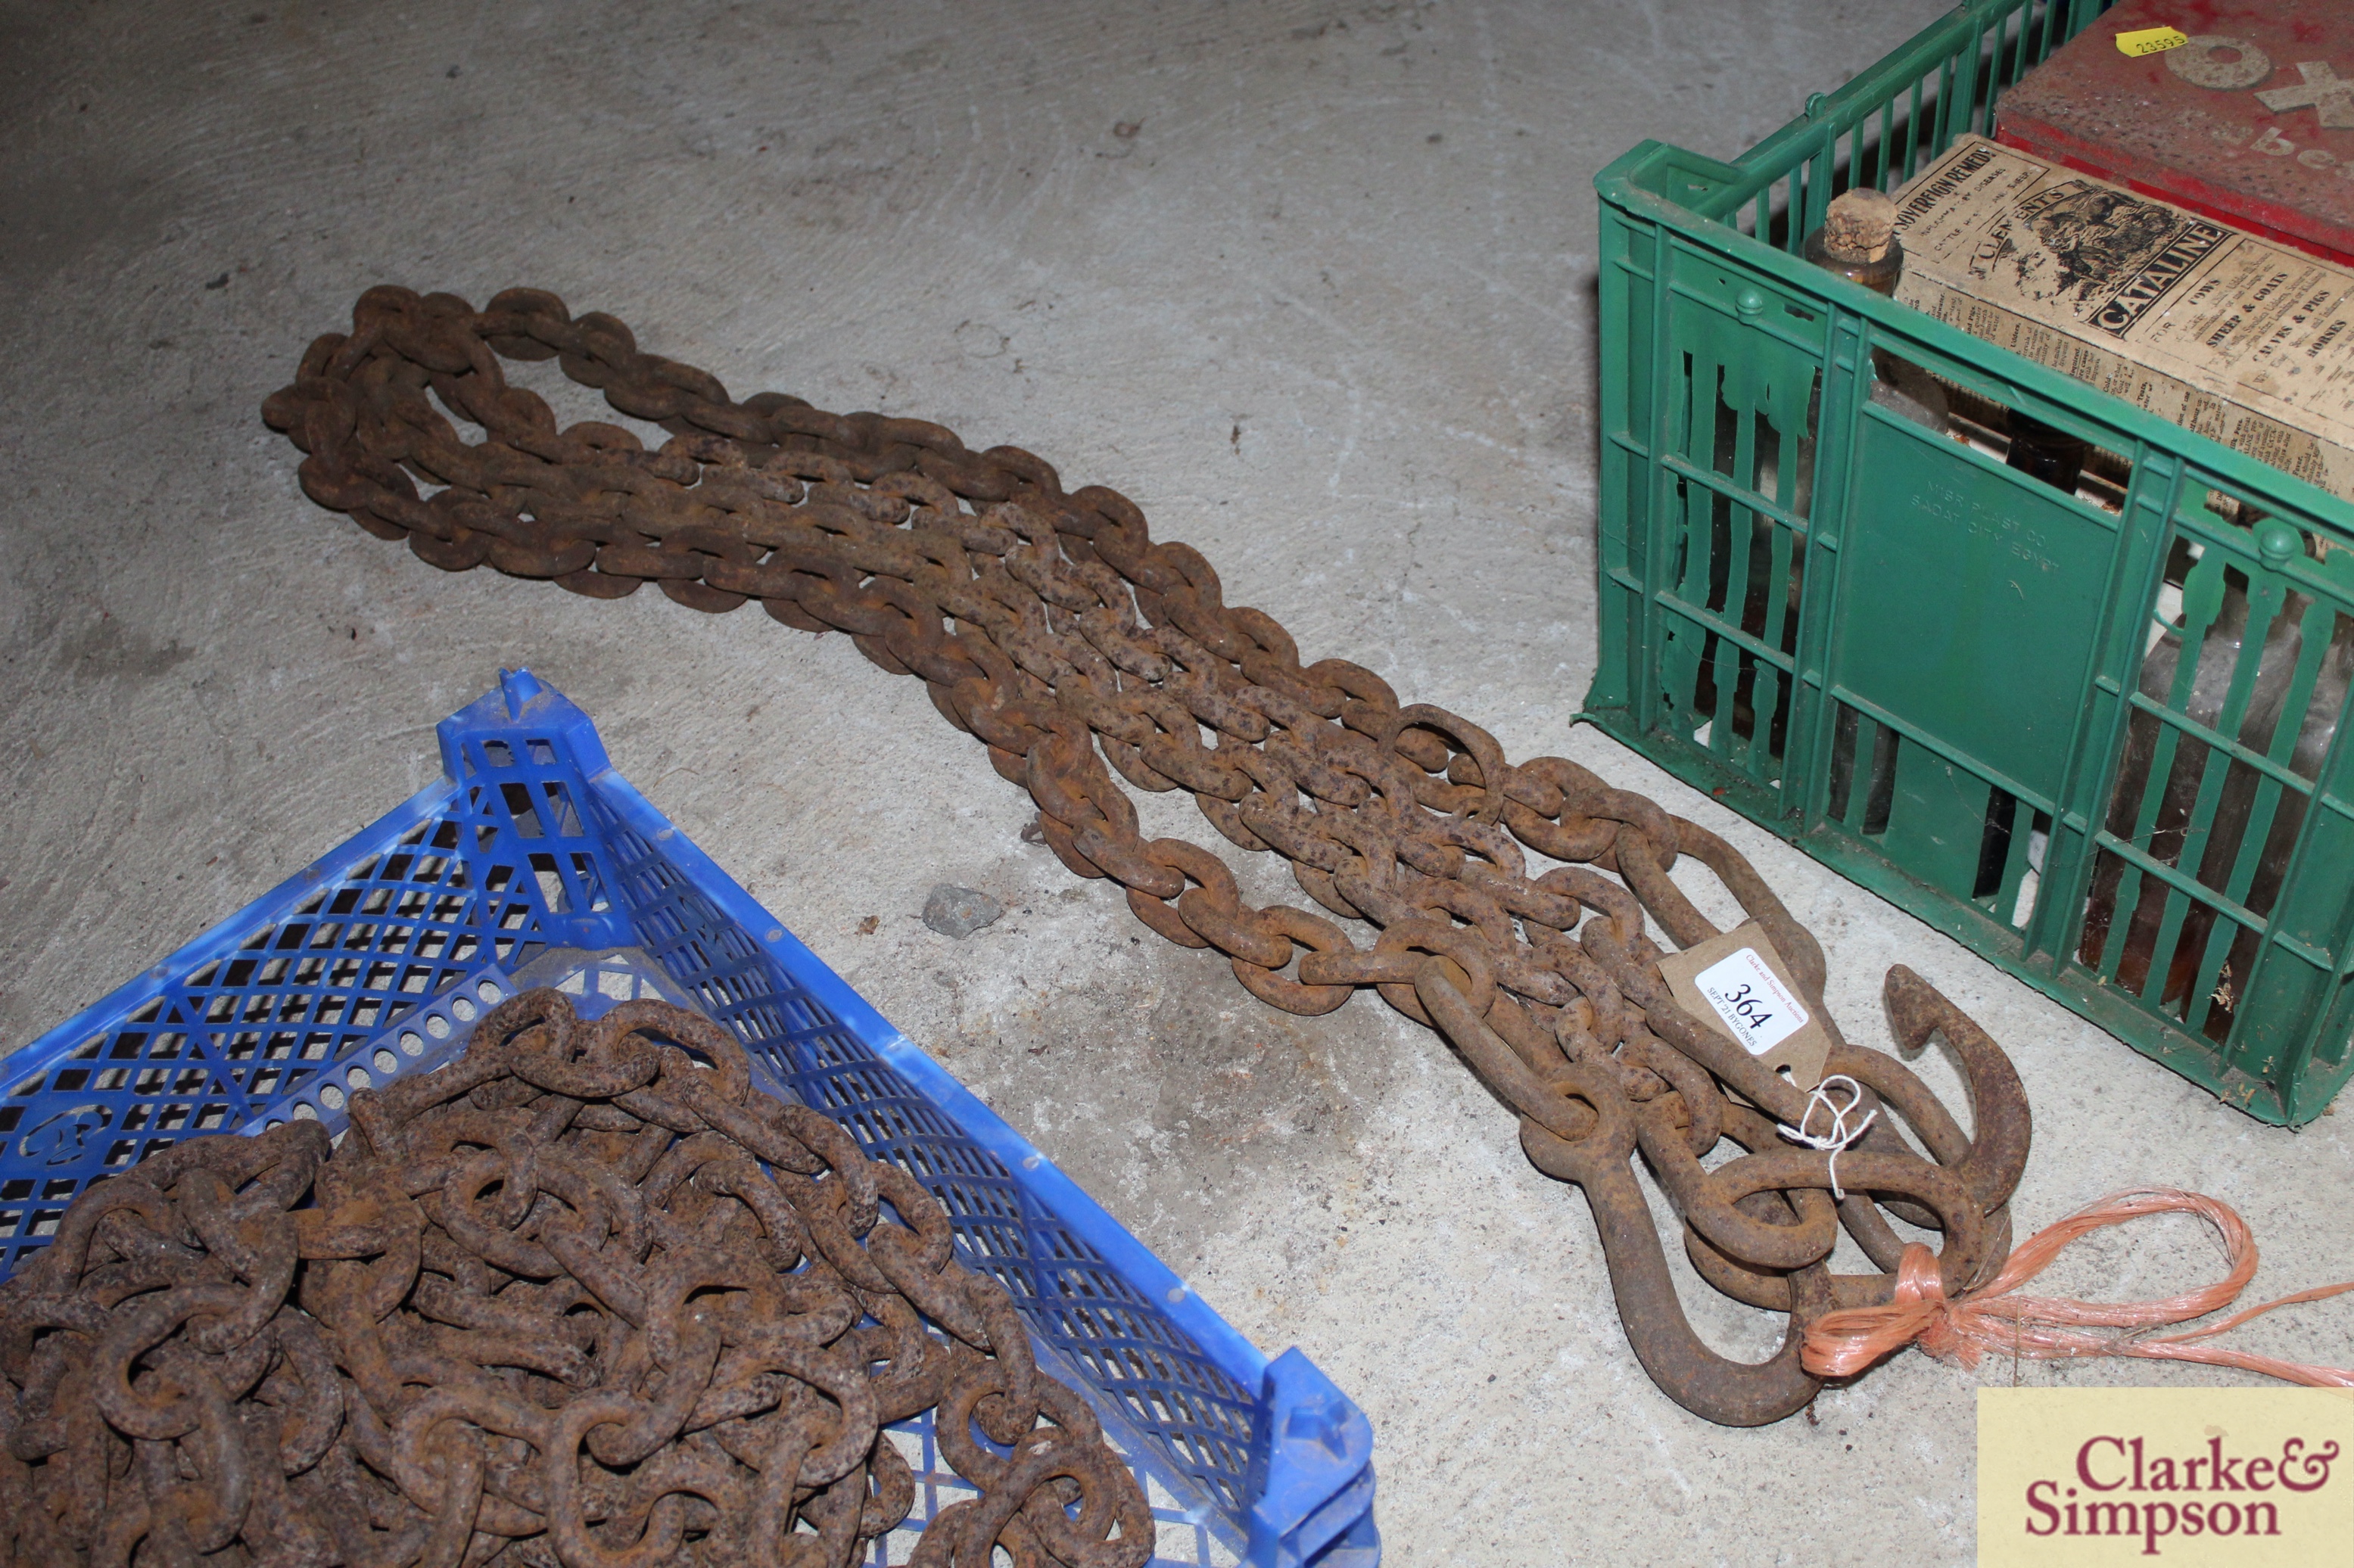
<point>262,1006</point>
<point>1086,1291</point>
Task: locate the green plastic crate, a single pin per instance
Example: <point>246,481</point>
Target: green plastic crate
<point>2045,722</point>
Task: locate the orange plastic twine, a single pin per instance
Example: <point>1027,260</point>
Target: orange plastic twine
<point>1842,1343</point>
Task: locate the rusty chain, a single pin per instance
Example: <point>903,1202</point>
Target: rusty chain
<point>583,1297</point>
<point>1081,652</point>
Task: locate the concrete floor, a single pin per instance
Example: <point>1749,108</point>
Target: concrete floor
<point>1314,283</point>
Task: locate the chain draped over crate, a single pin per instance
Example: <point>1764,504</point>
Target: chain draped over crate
<point>1081,652</point>
<point>550,1307</point>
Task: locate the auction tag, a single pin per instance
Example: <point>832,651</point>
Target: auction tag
<point>2150,41</point>
<point>1738,985</point>
<point>1755,1005</point>
<point>2219,1478</point>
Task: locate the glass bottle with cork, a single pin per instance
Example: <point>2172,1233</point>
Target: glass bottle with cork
<point>1858,240</point>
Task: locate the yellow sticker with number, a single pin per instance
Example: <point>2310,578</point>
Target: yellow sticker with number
<point>2150,41</point>
<point>2207,1477</point>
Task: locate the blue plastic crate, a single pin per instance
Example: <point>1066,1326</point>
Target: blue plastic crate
<point>532,862</point>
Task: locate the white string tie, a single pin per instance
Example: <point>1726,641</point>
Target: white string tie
<point>1841,1135</point>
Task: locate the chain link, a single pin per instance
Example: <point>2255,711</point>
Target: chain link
<point>1082,653</point>
<point>582,1297</point>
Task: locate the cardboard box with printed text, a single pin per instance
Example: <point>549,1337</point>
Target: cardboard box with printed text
<point>2217,330</point>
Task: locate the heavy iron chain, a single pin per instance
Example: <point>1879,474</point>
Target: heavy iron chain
<point>552,1308</point>
<point>1054,627</point>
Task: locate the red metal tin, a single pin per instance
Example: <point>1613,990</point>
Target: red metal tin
<point>2252,123</point>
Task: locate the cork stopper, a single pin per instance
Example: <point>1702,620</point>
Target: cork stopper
<point>1860,226</point>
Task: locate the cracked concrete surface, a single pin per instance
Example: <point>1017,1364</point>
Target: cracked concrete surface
<point>1313,282</point>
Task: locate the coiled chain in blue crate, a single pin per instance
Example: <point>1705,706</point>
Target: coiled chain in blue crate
<point>583,1295</point>
<point>1053,627</point>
